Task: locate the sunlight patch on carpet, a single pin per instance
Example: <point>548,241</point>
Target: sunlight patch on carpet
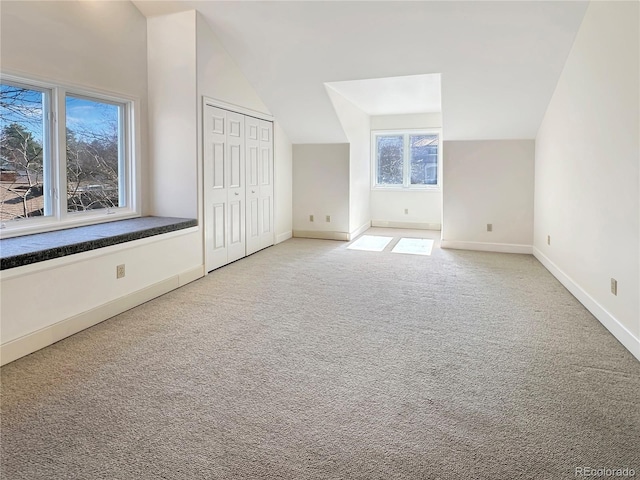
<point>414,246</point>
<point>370,243</point>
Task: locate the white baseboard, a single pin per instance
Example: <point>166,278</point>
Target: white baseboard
<point>361,229</point>
<point>284,236</point>
<point>624,336</point>
<point>410,225</point>
<point>191,275</point>
<point>487,247</point>
<point>322,235</point>
<point>44,337</point>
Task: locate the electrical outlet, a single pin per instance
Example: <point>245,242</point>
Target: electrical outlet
<point>406,211</point>
<point>120,271</point>
<point>548,239</point>
<point>614,286</point>
<point>311,218</point>
<point>328,218</point>
<point>489,227</point>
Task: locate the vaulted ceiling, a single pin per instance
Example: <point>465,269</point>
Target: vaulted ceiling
<point>499,61</point>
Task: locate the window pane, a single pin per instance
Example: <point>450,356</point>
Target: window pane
<point>390,159</point>
<point>22,152</point>
<point>424,159</point>
<point>93,154</point>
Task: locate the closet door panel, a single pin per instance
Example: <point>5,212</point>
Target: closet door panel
<point>235,166</point>
<point>215,186</point>
<point>235,223</point>
<point>252,165</point>
<point>236,186</point>
<point>217,180</point>
<point>253,217</point>
<point>219,231</point>
<point>254,212</point>
<point>267,215</point>
<point>267,237</point>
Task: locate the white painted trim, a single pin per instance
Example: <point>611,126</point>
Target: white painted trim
<point>322,235</point>
<point>358,231</point>
<point>624,336</point>
<point>214,102</point>
<point>51,334</point>
<point>284,236</point>
<point>412,225</point>
<point>49,81</point>
<point>487,247</point>
<point>191,275</point>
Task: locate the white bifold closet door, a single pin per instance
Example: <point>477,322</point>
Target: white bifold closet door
<point>259,171</point>
<point>238,185</point>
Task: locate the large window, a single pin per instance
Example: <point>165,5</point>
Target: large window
<point>66,157</point>
<point>408,159</point>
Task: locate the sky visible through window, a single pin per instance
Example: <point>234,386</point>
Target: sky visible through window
<point>91,117</point>
<point>25,107</point>
<point>22,106</point>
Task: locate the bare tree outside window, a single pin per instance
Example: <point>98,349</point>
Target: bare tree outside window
<point>390,159</point>
<point>92,154</point>
<point>22,137</point>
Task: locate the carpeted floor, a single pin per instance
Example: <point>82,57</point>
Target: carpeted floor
<point>312,361</point>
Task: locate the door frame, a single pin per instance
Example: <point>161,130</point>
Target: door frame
<point>214,102</point>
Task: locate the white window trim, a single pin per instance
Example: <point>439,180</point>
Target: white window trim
<point>130,144</point>
<point>406,186</point>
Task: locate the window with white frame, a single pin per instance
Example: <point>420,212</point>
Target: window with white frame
<point>406,159</point>
<point>66,157</point>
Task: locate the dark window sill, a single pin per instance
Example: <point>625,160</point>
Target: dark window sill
<point>28,249</point>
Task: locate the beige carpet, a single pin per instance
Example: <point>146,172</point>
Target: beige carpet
<point>311,361</point>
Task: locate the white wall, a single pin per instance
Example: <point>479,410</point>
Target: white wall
<point>357,127</point>
<point>219,77</point>
<point>183,42</point>
<point>320,188</point>
<point>408,121</point>
<point>586,170</point>
<point>99,45</point>
<point>488,181</point>
<point>424,207</point>
<point>283,184</point>
<point>173,124</point>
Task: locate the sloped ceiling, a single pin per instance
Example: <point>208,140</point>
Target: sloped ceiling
<point>499,61</point>
<point>393,95</point>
